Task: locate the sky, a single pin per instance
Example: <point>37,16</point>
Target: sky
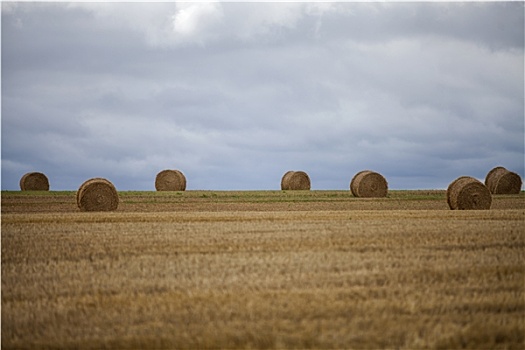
<point>235,94</point>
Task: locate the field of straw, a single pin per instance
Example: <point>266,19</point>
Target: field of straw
<point>262,269</point>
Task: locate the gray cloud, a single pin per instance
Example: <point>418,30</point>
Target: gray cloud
<point>235,94</point>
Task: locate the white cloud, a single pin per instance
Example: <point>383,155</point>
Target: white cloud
<point>197,19</point>
<point>205,23</point>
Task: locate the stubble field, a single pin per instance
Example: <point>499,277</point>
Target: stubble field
<point>262,269</point>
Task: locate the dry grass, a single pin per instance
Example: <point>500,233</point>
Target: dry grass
<point>140,201</point>
<point>202,278</point>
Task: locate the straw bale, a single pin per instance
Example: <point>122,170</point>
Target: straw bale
<point>285,180</point>
<point>295,180</point>
<point>34,181</point>
<point>502,181</point>
<point>170,180</point>
<point>369,184</point>
<point>466,193</point>
<point>97,194</point>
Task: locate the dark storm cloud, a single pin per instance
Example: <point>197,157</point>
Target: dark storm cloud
<point>235,94</point>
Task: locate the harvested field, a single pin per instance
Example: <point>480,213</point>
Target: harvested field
<point>131,201</point>
<point>272,269</point>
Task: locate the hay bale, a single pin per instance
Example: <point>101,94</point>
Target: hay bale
<point>502,181</point>
<point>170,180</point>
<point>97,194</point>
<point>368,184</point>
<point>34,182</point>
<point>295,180</point>
<point>285,180</point>
<point>467,193</point>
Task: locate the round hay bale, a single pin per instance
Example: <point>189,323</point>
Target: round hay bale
<point>466,193</point>
<point>502,181</point>
<point>295,180</point>
<point>97,194</point>
<point>34,182</point>
<point>368,184</point>
<point>285,180</point>
<point>170,180</point>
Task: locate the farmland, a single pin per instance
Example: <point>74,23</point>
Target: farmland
<point>262,269</point>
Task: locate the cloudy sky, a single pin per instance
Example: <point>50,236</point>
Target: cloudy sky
<point>235,94</point>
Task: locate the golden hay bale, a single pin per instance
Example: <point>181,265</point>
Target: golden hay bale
<point>467,193</point>
<point>34,182</point>
<point>284,180</point>
<point>368,184</point>
<point>295,180</point>
<point>97,194</point>
<point>170,180</point>
<point>502,181</point>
